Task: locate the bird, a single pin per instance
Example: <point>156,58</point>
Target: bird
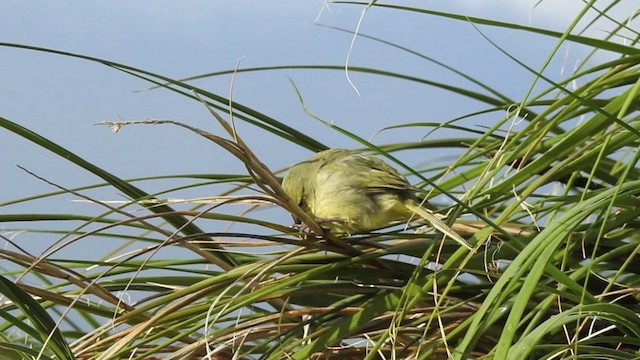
<point>351,192</point>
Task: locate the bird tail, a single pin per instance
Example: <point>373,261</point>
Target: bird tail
<point>436,223</point>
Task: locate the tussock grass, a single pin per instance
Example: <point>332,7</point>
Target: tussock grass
<point>551,207</point>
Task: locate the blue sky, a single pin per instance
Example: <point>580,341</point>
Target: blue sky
<point>62,98</point>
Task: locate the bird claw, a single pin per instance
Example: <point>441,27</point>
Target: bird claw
<point>307,234</point>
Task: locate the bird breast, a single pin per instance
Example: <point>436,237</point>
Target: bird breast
<point>351,205</point>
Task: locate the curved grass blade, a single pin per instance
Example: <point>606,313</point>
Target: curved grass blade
<point>179,222</point>
<point>44,328</point>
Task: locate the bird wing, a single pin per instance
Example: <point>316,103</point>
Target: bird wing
<point>372,172</point>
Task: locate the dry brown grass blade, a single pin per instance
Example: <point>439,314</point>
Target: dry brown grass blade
<point>266,179</point>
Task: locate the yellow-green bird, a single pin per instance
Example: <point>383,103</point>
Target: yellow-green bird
<point>352,192</point>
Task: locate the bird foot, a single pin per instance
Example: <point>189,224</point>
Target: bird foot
<point>307,234</point>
